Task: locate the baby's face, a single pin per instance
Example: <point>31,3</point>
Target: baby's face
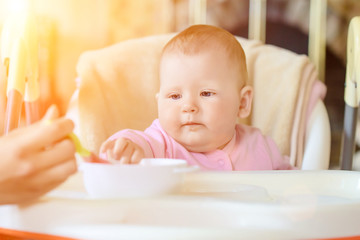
<point>199,100</point>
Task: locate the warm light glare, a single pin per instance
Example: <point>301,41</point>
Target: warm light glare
<point>17,6</point>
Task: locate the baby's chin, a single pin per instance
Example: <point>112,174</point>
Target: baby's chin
<point>200,148</point>
<point>203,145</point>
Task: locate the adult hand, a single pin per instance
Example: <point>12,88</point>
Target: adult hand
<point>35,159</point>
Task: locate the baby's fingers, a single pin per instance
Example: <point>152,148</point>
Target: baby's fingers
<point>121,148</point>
<point>106,146</point>
<point>126,154</point>
<point>129,152</point>
<point>137,155</point>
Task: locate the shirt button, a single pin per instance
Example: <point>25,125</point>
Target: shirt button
<point>221,162</point>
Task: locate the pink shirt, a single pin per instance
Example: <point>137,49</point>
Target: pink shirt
<point>247,150</point>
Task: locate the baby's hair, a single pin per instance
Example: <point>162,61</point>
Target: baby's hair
<point>198,38</point>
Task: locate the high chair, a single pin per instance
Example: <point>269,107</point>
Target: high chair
<point>117,87</point>
<point>352,94</point>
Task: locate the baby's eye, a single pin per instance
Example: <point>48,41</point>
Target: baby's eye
<point>206,94</point>
<point>175,96</point>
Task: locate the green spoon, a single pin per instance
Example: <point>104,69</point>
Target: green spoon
<point>83,152</point>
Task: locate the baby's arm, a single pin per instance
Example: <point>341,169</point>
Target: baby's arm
<point>123,150</point>
<point>134,145</point>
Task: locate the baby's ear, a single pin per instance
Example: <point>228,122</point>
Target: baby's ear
<point>246,96</point>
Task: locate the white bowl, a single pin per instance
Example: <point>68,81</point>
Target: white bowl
<point>152,176</point>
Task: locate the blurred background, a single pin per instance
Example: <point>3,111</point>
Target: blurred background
<point>67,28</point>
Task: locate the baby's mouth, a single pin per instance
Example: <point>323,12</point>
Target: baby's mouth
<point>191,124</point>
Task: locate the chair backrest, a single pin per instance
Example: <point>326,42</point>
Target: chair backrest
<point>118,85</point>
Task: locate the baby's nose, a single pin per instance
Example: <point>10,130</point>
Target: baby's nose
<point>190,108</point>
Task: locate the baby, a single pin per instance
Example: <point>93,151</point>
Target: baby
<point>203,92</point>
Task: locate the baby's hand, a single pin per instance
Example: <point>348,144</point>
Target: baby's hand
<point>123,150</point>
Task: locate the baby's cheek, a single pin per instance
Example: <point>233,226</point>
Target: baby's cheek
<point>165,121</point>
<point>172,125</point>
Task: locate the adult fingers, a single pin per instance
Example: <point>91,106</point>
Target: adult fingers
<point>51,113</point>
<point>50,178</point>
<point>57,154</point>
<point>42,134</point>
<point>31,187</point>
